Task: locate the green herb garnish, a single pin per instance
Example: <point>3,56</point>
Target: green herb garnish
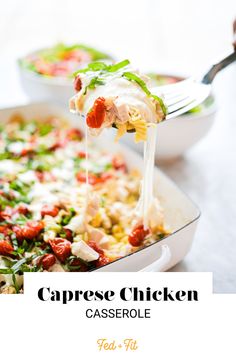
<point>133,77</point>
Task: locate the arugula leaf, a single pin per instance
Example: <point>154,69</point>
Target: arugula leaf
<point>133,77</point>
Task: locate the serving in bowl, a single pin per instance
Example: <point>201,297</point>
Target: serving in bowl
<point>176,136</point>
<point>179,213</point>
<point>47,74</point>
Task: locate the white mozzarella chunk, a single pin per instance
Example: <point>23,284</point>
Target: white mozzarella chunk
<point>77,224</point>
<point>16,147</point>
<point>9,166</point>
<point>82,250</point>
<point>27,177</point>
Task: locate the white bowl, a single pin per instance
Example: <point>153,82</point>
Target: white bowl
<point>51,89</point>
<point>39,88</point>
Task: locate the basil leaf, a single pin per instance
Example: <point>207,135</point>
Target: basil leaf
<point>118,66</point>
<point>5,271</point>
<point>133,77</point>
<point>104,68</point>
<point>96,66</point>
<point>95,82</point>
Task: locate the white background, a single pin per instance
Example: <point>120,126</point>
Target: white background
<point>31,326</point>
<point>175,36</point>
<point>183,35</point>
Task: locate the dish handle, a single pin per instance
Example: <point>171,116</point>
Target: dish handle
<point>160,264</point>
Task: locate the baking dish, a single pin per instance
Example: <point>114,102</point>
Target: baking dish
<point>181,214</point>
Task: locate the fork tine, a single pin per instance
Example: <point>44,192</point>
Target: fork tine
<point>199,92</point>
<point>181,104</point>
<point>175,99</point>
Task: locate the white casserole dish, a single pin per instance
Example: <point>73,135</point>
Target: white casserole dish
<point>181,214</point>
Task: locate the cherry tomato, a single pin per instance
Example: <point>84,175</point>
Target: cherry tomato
<point>105,176</point>
<point>102,260</point>
<point>29,231</point>
<point>61,248</point>
<point>47,261</point>
<point>49,210</point>
<point>77,84</point>
<point>45,176</point>
<point>77,262</point>
<point>137,236</point>
<point>96,116</point>
<point>119,164</point>
<point>92,179</point>
<point>5,248</point>
<point>95,247</point>
<point>74,134</point>
<point>69,234</point>
<point>22,209</point>
<point>7,213</point>
<point>26,151</point>
<point>43,67</point>
<point>4,229</point>
<point>81,154</point>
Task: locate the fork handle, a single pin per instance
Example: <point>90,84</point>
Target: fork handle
<point>210,75</point>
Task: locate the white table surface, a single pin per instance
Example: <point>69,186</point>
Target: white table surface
<point>179,41</point>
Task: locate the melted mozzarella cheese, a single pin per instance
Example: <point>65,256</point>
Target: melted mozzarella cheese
<point>125,94</point>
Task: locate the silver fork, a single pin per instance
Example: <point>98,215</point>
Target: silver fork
<point>189,93</point>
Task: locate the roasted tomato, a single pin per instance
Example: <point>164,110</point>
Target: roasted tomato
<point>45,176</point>
<point>4,229</point>
<point>92,179</point>
<point>77,84</point>
<point>95,247</point>
<point>74,134</point>
<point>137,236</point>
<point>81,154</point>
<point>23,209</point>
<point>78,265</point>
<point>61,248</point>
<point>29,231</point>
<point>69,234</point>
<point>105,176</point>
<point>7,213</point>
<point>5,248</point>
<point>96,116</point>
<point>119,164</point>
<point>47,261</point>
<point>27,151</point>
<point>49,210</point>
<point>102,260</point>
